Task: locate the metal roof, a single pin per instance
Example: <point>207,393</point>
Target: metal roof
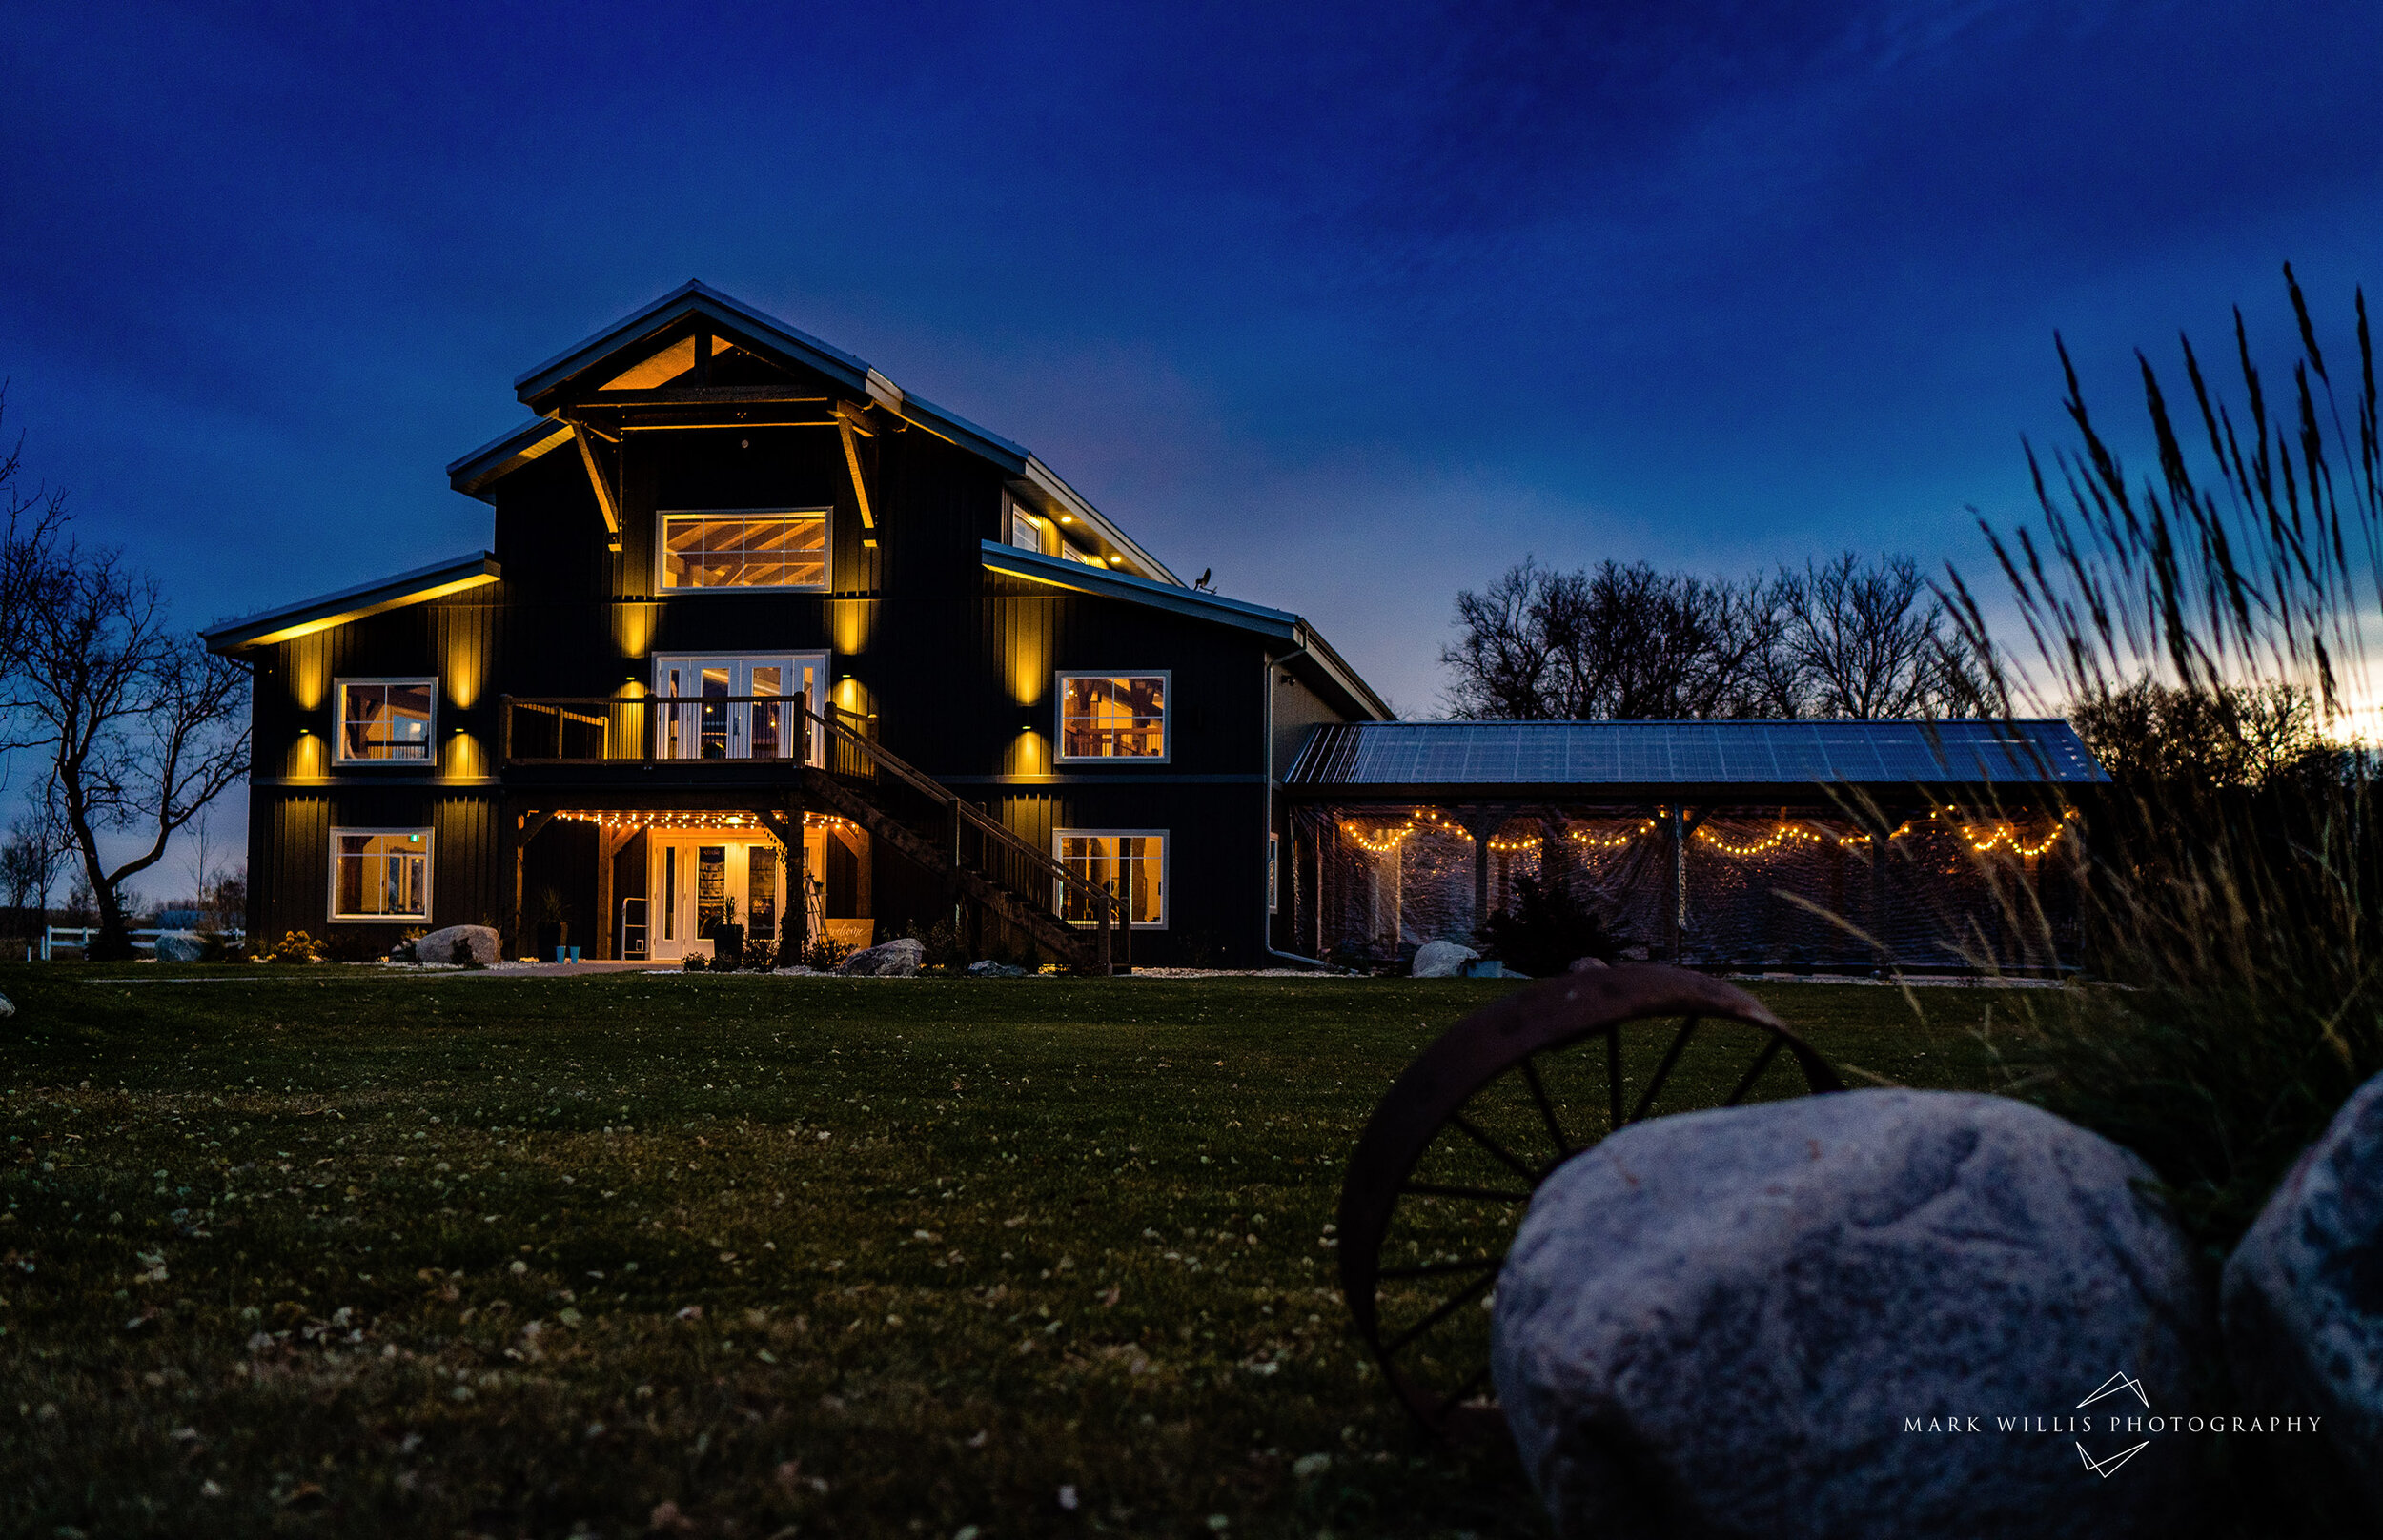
<point>1658,753</point>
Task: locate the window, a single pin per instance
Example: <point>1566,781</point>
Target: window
<point>388,720</point>
<point>1026,530</point>
<point>1112,715</point>
<point>381,874</point>
<point>745,548</point>
<point>1106,857</point>
<point>1273,874</point>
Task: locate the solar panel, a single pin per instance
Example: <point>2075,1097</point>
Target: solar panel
<point>1706,752</point>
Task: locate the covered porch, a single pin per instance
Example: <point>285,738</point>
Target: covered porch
<point>617,880</point>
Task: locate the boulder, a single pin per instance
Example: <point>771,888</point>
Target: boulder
<point>180,946</point>
<point>987,968</point>
<point>1585,964</point>
<point>458,943</point>
<point>1442,960</point>
<point>7,1006</point>
<point>2303,1300</point>
<point>896,959</point>
<point>1786,1320</point>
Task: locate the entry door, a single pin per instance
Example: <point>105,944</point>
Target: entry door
<point>692,878</point>
<point>713,725</point>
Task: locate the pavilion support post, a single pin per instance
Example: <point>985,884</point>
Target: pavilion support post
<point>1483,824</point>
<point>1683,825</point>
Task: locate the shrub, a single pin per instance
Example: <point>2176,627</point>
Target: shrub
<point>294,946</point>
<point>826,953</point>
<point>1547,928</point>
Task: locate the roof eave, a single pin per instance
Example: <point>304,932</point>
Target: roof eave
<point>1058,572</point>
<point>474,472</point>
<point>692,298</point>
<point>322,613</point>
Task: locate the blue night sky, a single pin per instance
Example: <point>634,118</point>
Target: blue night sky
<point>1355,308</point>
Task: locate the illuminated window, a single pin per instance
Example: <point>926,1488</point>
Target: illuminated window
<point>745,548</point>
<point>1112,715</point>
<point>1107,859</point>
<point>387,719</point>
<point>381,874</point>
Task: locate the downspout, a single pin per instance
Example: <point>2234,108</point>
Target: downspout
<point>1266,915</point>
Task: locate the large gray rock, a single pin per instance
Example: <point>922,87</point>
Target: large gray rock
<point>896,959</point>
<point>2304,1298</point>
<point>459,943</point>
<point>180,946</point>
<point>1727,1322</point>
<point>1442,960</point>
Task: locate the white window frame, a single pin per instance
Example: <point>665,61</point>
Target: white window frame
<point>1017,513</point>
<point>1166,875</point>
<point>662,589</point>
<point>429,871</point>
<point>1059,715</point>
<point>339,720</point>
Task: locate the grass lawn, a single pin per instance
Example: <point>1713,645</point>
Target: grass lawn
<point>323,1252</point>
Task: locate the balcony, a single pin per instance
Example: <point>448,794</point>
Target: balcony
<point>704,739</point>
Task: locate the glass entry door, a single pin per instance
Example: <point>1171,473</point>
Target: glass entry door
<point>730,708</point>
<point>698,880</point>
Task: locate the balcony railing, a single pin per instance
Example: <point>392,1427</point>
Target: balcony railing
<point>654,729</point>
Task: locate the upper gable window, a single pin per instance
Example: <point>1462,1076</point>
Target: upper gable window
<point>744,548</point>
<point>388,720</point>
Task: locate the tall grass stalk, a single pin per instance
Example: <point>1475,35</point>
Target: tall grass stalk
<point>2228,896</point>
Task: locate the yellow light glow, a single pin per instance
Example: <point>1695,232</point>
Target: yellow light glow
<point>308,628</point>
<point>1983,838</point>
<point>633,628</point>
<point>851,622</point>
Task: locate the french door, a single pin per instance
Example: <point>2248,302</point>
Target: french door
<point>730,705</point>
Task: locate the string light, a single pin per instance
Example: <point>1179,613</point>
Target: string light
<point>694,819</point>
<point>1984,839</point>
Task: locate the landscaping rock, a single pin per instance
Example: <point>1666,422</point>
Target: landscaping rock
<point>896,959</point>
<point>458,943</point>
<point>2304,1296</point>
<point>180,946</point>
<point>7,1006</point>
<point>1585,964</point>
<point>1442,960</point>
<point>987,968</point>
<point>1720,1323</point>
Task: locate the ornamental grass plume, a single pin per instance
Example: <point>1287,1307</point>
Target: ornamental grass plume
<point>2203,628</point>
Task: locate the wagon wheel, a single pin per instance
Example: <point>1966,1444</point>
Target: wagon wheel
<point>1448,1164</point>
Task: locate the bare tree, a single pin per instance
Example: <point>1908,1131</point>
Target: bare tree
<point>1622,642</point>
<point>1874,641</point>
<point>30,858</point>
<point>143,727</point>
<point>1610,641</point>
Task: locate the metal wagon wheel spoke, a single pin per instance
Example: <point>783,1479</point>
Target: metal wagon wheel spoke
<point>1441,1170</point>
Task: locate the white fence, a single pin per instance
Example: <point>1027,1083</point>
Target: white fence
<point>77,939</point>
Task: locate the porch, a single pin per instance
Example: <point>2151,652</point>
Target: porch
<point>681,815</point>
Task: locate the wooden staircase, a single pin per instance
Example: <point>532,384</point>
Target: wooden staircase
<point>980,861</point>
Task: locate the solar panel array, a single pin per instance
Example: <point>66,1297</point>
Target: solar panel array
<point>1694,753</point>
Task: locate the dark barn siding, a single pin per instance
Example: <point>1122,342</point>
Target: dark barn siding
<point>952,667</point>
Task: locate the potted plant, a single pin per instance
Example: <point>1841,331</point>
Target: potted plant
<point>728,939</point>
